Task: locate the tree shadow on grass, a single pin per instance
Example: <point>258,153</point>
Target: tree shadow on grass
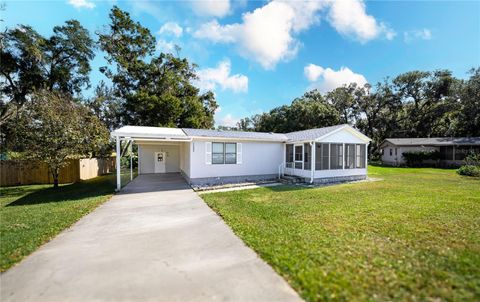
<point>72,192</point>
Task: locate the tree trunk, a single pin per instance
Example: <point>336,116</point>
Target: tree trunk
<point>55,177</point>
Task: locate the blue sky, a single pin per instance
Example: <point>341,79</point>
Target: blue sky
<point>256,55</point>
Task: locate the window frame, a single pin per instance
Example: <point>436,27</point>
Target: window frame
<point>234,153</point>
<point>224,153</point>
<point>295,160</point>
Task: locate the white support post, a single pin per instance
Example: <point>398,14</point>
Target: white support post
<point>366,156</point>
<point>117,159</point>
<point>343,157</point>
<point>131,160</point>
<point>313,149</point>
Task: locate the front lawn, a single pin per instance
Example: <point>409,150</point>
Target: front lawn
<point>32,215</point>
<point>413,236</point>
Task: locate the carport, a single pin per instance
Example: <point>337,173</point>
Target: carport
<point>159,142</point>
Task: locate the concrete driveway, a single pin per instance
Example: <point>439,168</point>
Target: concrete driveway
<point>155,241</point>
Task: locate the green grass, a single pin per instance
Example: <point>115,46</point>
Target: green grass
<point>32,215</point>
<point>413,236</point>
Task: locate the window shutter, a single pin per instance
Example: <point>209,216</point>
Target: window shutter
<point>239,153</point>
<point>208,153</point>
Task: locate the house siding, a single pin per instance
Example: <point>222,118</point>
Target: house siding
<point>398,159</point>
<point>260,159</point>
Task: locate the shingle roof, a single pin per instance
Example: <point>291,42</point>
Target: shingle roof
<point>311,133</point>
<point>235,134</point>
<point>178,133</point>
<point>434,141</point>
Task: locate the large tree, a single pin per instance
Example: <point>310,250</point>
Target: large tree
<point>157,88</point>
<point>468,118</point>
<point>54,128</point>
<point>32,62</point>
<point>306,112</point>
<point>413,104</point>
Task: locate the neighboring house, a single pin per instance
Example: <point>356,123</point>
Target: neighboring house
<point>207,157</point>
<point>452,149</point>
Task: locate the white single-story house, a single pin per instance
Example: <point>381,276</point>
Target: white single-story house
<point>207,157</point>
<point>452,149</point>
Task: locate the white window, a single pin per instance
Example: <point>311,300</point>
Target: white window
<point>218,153</point>
<point>224,153</point>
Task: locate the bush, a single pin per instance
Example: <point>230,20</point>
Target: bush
<point>473,159</point>
<point>416,158</point>
<point>469,171</point>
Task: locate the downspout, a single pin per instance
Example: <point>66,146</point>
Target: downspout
<point>312,162</point>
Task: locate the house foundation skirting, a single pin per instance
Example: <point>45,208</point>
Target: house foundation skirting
<point>337,179</point>
<point>212,181</point>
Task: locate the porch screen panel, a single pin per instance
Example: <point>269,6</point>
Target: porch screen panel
<point>289,156</point>
<point>318,156</point>
<point>322,156</point>
<point>360,154</point>
<point>325,156</point>
<point>336,156</point>
<point>307,156</point>
<point>349,156</point>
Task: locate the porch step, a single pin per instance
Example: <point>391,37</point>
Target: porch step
<point>291,179</point>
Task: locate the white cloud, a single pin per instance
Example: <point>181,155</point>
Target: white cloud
<point>165,46</point>
<point>312,72</point>
<point>171,28</point>
<point>420,34</point>
<point>229,121</point>
<point>267,35</point>
<point>211,8</point>
<point>209,78</point>
<point>81,4</point>
<point>327,79</point>
<point>349,17</point>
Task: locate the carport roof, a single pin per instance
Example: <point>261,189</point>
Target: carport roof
<point>149,132</point>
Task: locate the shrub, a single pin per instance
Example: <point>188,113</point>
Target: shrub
<point>416,158</point>
<point>472,159</point>
<point>469,171</point>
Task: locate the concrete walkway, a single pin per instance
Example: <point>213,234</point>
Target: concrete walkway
<point>156,241</point>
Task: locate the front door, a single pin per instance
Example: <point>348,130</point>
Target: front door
<point>159,160</point>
